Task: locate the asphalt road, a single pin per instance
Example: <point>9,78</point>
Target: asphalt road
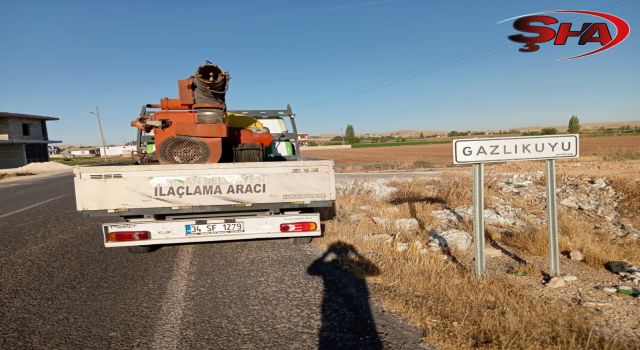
<point>60,288</point>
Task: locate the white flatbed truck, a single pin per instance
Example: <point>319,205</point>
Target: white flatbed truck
<point>188,203</point>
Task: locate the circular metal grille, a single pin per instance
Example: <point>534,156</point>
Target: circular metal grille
<point>184,150</point>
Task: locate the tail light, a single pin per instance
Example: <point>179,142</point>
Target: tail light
<point>128,236</point>
<point>299,226</point>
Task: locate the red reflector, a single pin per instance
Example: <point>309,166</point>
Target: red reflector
<point>128,236</point>
<point>299,226</point>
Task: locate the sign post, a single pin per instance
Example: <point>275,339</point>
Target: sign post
<point>504,149</point>
<point>478,217</point>
<point>554,246</point>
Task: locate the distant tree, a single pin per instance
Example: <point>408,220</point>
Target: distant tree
<point>350,134</point>
<point>548,131</point>
<point>337,138</point>
<point>574,125</point>
<point>457,133</point>
<point>421,135</point>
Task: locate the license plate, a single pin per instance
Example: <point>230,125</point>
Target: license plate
<point>207,229</point>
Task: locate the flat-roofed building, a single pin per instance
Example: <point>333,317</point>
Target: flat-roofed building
<point>23,139</point>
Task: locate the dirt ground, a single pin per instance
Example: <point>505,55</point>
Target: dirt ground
<point>425,156</point>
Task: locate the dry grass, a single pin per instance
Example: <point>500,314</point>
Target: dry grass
<point>457,311</point>
<point>444,299</point>
<point>629,187</point>
<point>622,156</point>
<point>447,302</point>
<point>524,268</point>
<point>451,190</point>
<point>576,233</point>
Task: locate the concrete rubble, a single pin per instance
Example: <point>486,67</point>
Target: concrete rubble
<point>576,255</point>
<point>597,199</point>
<point>377,188</point>
<point>450,238</point>
<point>502,214</point>
<point>517,183</point>
<point>401,246</point>
<point>569,278</point>
<point>555,282</point>
<point>594,197</point>
<point>399,224</point>
<point>447,217</point>
<point>379,237</point>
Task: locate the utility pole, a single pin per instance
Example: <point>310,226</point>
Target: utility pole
<point>104,145</point>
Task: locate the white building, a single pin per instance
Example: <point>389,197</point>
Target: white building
<point>82,152</point>
<point>118,151</point>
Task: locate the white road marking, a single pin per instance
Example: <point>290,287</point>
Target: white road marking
<point>169,328</point>
<point>31,206</point>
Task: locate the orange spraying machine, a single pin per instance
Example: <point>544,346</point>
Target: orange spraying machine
<point>194,128</point>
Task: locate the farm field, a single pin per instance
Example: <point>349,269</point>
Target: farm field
<point>438,155</point>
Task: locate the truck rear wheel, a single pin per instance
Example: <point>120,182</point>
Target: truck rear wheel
<point>141,249</point>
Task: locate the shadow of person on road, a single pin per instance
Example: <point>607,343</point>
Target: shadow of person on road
<point>347,322</point>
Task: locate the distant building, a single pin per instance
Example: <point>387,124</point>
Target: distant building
<point>23,139</point>
<point>82,152</point>
<point>118,151</point>
<point>303,139</point>
<point>54,150</point>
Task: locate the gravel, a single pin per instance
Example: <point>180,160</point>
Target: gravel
<point>556,282</point>
<point>39,168</point>
<point>576,255</point>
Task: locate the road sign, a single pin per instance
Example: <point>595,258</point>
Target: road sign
<point>502,149</point>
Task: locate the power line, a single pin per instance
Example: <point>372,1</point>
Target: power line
<point>406,75</point>
<point>438,67</point>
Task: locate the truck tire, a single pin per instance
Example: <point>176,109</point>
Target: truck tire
<point>140,249</point>
<point>302,240</point>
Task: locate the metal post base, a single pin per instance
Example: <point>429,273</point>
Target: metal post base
<point>478,218</point>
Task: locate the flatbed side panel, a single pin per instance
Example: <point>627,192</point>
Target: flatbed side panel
<point>123,188</point>
<point>175,231</point>
<point>205,167</point>
<point>218,210</point>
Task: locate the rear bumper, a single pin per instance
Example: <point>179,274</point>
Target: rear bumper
<point>175,232</point>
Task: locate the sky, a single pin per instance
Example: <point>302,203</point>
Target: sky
<point>378,65</point>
